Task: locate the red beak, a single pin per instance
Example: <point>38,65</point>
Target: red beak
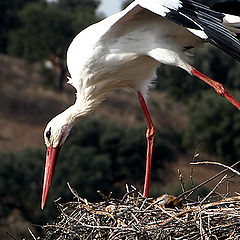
<point>51,158</point>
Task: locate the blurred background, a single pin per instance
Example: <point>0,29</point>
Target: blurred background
<point>107,149</point>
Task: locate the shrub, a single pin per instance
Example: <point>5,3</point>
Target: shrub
<point>216,123</point>
<point>210,61</point>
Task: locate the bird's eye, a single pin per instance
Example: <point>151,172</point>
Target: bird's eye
<point>48,134</point>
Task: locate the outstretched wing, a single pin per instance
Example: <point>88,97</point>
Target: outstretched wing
<point>197,18</point>
<point>211,23</point>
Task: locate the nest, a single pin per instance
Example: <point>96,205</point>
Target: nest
<point>136,217</point>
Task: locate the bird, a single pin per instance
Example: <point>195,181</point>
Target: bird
<point>124,50</point>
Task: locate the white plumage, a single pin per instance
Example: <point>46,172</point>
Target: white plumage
<point>124,50</point>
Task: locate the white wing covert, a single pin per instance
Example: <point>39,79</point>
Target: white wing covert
<point>197,18</point>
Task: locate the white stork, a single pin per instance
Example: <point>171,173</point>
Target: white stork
<point>124,50</point>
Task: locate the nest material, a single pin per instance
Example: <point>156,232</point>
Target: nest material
<point>135,217</point>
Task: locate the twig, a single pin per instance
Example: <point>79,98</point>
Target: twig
<point>219,164</point>
<point>10,235</point>
<point>75,194</point>
<point>103,196</point>
<point>32,234</point>
<point>213,190</point>
<point>180,177</point>
<point>206,181</point>
<point>196,154</point>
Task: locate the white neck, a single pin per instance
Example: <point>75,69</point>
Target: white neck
<point>61,125</point>
<point>82,107</point>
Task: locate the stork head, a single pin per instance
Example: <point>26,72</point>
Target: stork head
<point>55,134</point>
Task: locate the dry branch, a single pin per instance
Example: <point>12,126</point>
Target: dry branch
<point>190,191</point>
<point>219,164</point>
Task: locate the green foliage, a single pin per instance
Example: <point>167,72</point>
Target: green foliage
<point>45,29</point>
<point>20,182</point>
<point>83,12</point>
<point>218,65</point>
<point>177,83</point>
<point>216,123</point>
<point>9,20</point>
<point>71,4</point>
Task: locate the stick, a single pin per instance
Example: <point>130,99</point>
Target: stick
<point>217,185</point>
<point>180,177</point>
<point>205,182</point>
<point>219,164</point>
<point>32,234</point>
<point>196,154</point>
<point>10,235</point>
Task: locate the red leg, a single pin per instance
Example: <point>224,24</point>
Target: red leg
<point>219,88</point>
<point>150,135</point>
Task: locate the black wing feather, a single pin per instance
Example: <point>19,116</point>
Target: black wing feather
<point>197,16</point>
<point>231,7</point>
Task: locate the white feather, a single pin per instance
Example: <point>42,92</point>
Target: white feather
<point>232,23</point>
<point>199,33</point>
<point>117,56</point>
<point>123,51</point>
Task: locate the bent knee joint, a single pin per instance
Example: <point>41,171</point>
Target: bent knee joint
<point>150,134</point>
